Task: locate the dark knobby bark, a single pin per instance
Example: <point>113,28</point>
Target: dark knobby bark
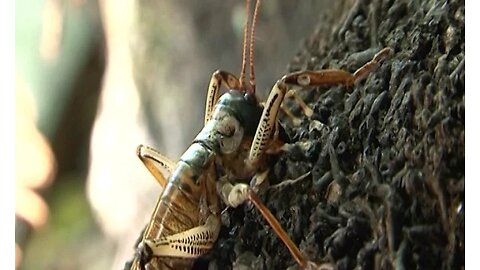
<point>386,188</point>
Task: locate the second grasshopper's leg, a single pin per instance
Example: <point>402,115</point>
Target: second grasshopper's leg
<point>152,159</point>
<point>283,88</point>
<point>219,77</point>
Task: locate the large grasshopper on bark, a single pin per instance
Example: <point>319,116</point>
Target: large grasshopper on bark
<point>239,133</point>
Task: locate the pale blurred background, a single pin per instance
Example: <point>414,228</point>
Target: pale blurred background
<point>94,80</point>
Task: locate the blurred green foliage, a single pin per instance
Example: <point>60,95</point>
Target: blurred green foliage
<point>70,240</point>
<point>51,81</point>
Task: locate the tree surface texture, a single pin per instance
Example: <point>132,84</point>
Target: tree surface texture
<point>382,162</point>
<point>376,178</point>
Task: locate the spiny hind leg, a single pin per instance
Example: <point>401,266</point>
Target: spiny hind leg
<point>155,163</point>
<point>219,77</point>
<point>191,243</point>
<point>284,88</point>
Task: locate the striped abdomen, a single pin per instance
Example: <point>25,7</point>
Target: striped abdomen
<point>186,202</point>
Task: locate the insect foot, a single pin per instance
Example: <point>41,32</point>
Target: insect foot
<point>238,195</point>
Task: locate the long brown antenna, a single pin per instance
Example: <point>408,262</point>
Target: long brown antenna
<point>244,53</point>
<point>252,45</point>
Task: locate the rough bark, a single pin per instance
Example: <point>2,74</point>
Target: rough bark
<point>386,161</point>
<point>383,161</point>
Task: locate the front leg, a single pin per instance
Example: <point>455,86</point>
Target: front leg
<point>283,88</point>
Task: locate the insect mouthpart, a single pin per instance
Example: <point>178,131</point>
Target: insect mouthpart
<point>229,129</point>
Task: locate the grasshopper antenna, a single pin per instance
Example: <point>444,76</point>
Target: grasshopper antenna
<point>252,45</point>
<point>249,40</point>
<point>243,86</point>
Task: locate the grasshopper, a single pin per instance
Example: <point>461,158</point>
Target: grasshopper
<point>238,135</point>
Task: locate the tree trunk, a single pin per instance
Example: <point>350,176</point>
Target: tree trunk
<point>386,158</point>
